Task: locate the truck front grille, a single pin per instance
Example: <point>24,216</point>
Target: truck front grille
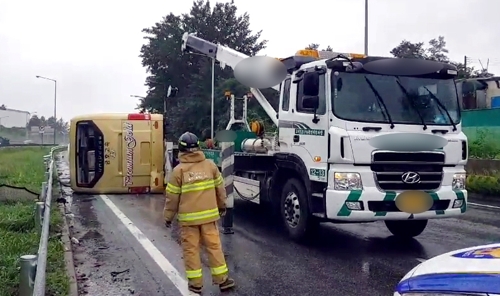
<point>389,167</point>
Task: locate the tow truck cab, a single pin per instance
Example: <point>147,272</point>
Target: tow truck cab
<point>360,139</point>
<point>371,138</point>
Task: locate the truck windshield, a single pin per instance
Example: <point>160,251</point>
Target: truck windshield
<point>354,99</point>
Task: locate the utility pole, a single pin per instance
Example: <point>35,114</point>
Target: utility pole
<point>465,63</point>
<point>366,27</point>
<point>212,105</point>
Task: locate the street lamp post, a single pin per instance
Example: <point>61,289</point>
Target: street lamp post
<point>366,27</point>
<point>212,105</point>
<point>55,103</point>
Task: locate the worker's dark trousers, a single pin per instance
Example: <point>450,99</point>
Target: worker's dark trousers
<point>191,239</point>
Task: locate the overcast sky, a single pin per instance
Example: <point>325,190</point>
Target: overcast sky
<point>91,47</point>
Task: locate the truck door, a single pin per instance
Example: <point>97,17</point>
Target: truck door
<point>136,153</point>
<point>310,135</point>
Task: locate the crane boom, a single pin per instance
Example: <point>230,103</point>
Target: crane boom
<point>227,57</point>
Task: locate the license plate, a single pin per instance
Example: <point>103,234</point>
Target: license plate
<point>414,202</point>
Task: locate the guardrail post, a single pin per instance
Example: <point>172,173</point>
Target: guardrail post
<point>27,277</point>
<point>227,168</point>
<point>43,194</point>
<point>39,215</point>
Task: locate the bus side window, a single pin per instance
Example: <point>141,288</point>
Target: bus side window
<point>286,95</point>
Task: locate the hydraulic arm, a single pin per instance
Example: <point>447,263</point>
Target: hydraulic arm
<point>227,57</point>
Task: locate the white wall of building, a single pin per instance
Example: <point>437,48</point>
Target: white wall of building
<point>14,118</point>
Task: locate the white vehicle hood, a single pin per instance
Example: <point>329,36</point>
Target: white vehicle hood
<point>471,270</point>
<point>361,141</point>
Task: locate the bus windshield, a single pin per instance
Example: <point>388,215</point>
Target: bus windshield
<point>407,100</point>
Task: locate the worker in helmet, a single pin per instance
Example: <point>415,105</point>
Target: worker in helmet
<point>196,193</point>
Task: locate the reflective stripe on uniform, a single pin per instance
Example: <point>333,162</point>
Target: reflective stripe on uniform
<point>193,274</point>
<point>219,270</point>
<point>198,186</point>
<point>190,217</point>
<point>218,181</point>
<point>173,189</point>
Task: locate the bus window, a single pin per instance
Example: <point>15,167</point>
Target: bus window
<point>89,154</point>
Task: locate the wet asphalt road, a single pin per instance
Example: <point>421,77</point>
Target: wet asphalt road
<point>347,259</point>
<point>356,259</point>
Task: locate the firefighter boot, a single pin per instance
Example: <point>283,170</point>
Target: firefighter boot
<point>195,289</point>
<point>228,284</point>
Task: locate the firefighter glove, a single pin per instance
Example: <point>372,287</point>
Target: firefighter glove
<point>222,212</point>
<point>168,224</point>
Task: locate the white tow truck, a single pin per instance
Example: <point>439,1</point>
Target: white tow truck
<point>360,139</point>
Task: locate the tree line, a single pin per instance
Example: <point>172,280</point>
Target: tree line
<point>56,124</point>
<point>222,23</point>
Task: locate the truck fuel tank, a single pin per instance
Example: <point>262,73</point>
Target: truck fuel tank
<point>255,145</point>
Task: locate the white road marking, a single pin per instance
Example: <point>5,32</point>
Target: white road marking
<point>170,271</point>
<point>483,206</point>
<point>421,260</point>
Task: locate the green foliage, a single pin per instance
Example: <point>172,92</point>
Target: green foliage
<point>25,168</point>
<point>59,125</point>
<point>316,46</point>
<point>483,146</point>
<point>435,51</point>
<point>18,237</point>
<point>191,73</point>
<point>484,184</point>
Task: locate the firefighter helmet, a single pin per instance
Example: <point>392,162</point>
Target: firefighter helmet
<point>188,142</point>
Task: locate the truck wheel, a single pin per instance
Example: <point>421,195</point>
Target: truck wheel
<point>406,228</point>
<point>295,211</point>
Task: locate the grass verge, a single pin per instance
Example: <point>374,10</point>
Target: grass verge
<point>23,167</point>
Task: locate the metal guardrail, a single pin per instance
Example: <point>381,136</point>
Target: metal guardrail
<point>26,145</point>
<point>33,267</point>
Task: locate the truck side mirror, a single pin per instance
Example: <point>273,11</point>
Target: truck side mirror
<point>310,102</point>
<point>311,84</point>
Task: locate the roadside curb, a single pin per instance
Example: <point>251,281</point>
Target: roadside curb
<point>68,254</point>
<point>481,197</point>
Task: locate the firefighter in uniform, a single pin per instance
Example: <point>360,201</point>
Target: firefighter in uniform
<point>196,193</point>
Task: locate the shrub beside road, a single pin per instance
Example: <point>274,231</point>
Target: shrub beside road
<point>483,168</point>
<point>24,167</point>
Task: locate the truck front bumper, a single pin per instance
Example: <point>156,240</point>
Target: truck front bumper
<point>371,204</point>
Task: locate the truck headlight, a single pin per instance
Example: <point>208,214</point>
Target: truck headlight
<point>347,181</point>
<point>459,181</point>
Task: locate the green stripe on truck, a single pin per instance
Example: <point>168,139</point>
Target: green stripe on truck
<point>354,195</point>
<point>460,196</point>
<point>389,196</point>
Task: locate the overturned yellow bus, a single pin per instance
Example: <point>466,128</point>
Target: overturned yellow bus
<point>116,153</point>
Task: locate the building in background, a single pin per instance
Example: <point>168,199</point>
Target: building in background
<point>10,118</point>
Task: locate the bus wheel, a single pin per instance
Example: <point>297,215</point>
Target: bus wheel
<point>294,210</point>
<point>406,228</point>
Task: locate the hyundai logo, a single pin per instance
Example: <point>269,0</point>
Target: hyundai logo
<point>410,178</point>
